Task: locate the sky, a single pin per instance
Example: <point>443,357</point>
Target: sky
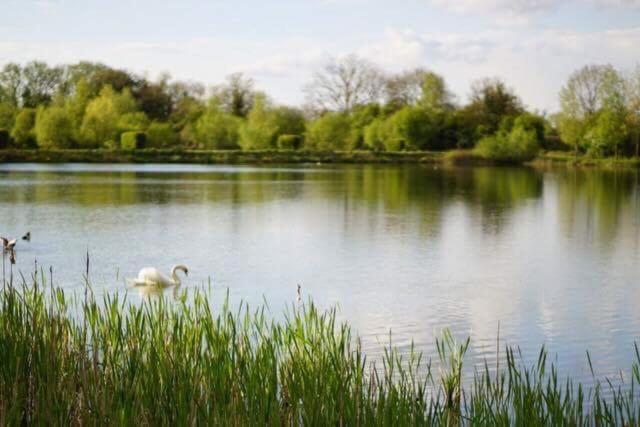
<point>533,45</point>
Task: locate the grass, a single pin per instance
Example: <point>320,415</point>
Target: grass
<point>84,361</point>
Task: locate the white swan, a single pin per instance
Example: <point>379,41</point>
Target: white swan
<point>150,276</point>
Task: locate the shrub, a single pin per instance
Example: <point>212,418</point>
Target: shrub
<point>23,130</point>
<point>54,128</point>
<point>329,132</point>
<point>4,138</point>
<point>216,129</point>
<point>161,135</point>
<point>289,142</point>
<point>133,140</point>
<point>519,145</point>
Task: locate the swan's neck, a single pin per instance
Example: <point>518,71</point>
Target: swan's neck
<point>174,276</point>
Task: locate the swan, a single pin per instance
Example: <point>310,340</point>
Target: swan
<point>150,276</point>
<point>7,244</point>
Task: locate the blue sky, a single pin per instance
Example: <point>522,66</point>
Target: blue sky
<point>532,44</point>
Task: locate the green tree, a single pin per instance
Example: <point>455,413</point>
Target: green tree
<point>7,115</point>
<point>435,95</point>
<point>329,132</point>
<point>260,130</point>
<point>161,135</point>
<point>23,132</point>
<point>606,135</point>
<point>39,83</point>
<point>54,127</point>
<point>100,122</point>
<point>236,95</point>
<point>361,117</point>
<point>216,129</point>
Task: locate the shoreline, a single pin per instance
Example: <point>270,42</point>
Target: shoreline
<point>453,157</point>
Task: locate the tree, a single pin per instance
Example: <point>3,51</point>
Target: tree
<point>161,135</point>
<point>54,128</point>
<point>606,135</point>
<point>23,132</point>
<point>236,96</point>
<point>632,90</point>
<point>216,128</point>
<point>7,115</point>
<point>39,83</point>
<point>343,84</point>
<point>405,88</point>
<point>588,92</point>
<point>100,122</point>
<point>329,132</point>
<point>266,123</point>
<point>11,84</point>
<point>435,96</point>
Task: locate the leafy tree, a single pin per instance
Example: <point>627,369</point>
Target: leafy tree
<point>435,96</point>
<point>39,83</point>
<point>606,135</point>
<point>154,99</point>
<point>260,130</point>
<point>343,84</point>
<point>361,117</point>
<point>236,96</point>
<point>100,122</point>
<point>491,102</point>
<point>7,115</point>
<point>23,132</point>
<point>217,129</point>
<point>11,84</point>
<point>329,132</point>
<point>632,95</point>
<point>161,135</point>
<point>54,127</point>
<point>134,121</point>
<point>403,89</point>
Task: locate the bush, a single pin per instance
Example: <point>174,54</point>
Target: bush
<point>329,132</point>
<point>289,142</point>
<point>132,140</point>
<point>519,145</point>
<point>23,130</point>
<point>54,128</point>
<point>4,138</point>
<point>161,135</point>
<point>216,129</point>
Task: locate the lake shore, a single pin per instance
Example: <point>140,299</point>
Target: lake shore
<point>453,157</point>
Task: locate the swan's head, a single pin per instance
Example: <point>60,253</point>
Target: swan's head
<point>183,268</point>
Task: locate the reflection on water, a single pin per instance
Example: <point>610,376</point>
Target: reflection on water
<point>549,256</point>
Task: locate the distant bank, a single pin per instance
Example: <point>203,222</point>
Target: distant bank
<point>455,157</point>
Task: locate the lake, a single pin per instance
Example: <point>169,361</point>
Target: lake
<point>542,256</point>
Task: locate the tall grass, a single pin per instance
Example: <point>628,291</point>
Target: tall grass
<point>84,361</point>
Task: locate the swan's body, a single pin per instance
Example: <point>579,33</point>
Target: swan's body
<point>151,276</point>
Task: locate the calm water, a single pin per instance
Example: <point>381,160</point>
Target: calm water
<point>550,256</point>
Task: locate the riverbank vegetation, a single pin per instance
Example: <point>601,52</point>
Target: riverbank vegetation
<point>351,106</point>
<point>77,361</point>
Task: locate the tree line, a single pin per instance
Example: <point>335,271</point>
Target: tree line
<point>351,105</point>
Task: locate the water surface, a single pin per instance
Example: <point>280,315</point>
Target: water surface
<point>550,257</point>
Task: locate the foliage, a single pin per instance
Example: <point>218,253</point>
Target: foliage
<point>7,115</point>
<point>54,128</point>
<point>216,129</point>
<point>236,96</point>
<point>84,361</point>
<point>161,135</point>
<point>23,132</point>
<point>360,118</point>
<point>516,146</point>
<point>329,132</point>
<point>133,140</point>
<point>289,142</point>
<point>102,115</point>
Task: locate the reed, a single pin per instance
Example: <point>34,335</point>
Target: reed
<point>68,360</point>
